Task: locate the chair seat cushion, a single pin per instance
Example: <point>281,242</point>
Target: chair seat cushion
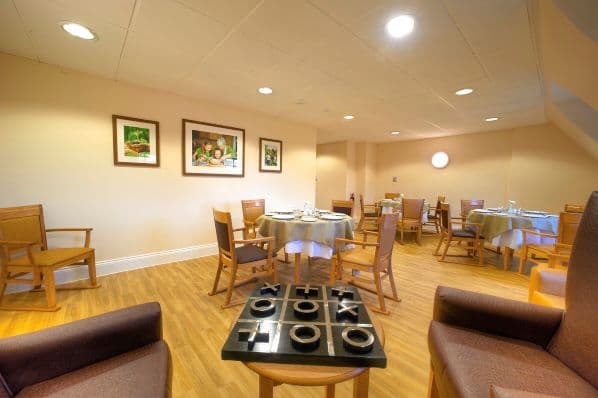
<point>54,256</point>
<point>466,363</point>
<point>359,255</point>
<point>250,253</point>
<point>140,373</point>
<point>465,233</point>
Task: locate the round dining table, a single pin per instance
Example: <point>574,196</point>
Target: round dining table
<point>503,229</point>
<point>313,238</point>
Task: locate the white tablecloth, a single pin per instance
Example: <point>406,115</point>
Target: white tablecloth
<point>309,248</point>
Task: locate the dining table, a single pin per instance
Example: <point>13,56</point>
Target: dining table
<point>312,235</point>
<point>503,229</point>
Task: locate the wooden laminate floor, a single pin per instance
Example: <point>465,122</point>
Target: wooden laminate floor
<point>195,327</point>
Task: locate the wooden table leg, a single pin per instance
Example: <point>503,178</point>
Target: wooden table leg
<point>507,258</point>
<point>266,387</point>
<point>361,385</point>
<point>330,390</point>
<point>297,268</point>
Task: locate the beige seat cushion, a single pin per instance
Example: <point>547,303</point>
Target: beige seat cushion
<point>54,256</point>
<point>359,255</point>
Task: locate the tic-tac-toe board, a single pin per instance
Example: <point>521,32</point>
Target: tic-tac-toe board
<point>307,325</point>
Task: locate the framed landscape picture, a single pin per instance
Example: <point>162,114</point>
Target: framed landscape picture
<point>270,155</point>
<point>136,142</point>
<point>213,150</point>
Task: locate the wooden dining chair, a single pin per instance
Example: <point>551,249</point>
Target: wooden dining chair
<point>574,208</point>
<point>411,218</point>
<point>24,251</point>
<point>254,254</point>
<point>369,257</point>
<point>469,233</point>
<point>369,214</point>
<point>252,210</point>
<point>391,195</point>
<point>468,205</point>
<point>434,214</point>
<point>343,206</point>
<point>566,233</point>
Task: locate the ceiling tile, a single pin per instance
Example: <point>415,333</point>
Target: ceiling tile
<point>13,36</point>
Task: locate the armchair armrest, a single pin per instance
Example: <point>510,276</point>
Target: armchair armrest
<point>34,357</point>
<point>563,247</point>
<point>541,234</point>
<point>547,280</point>
<point>495,315</point>
<point>86,230</point>
<point>357,242</point>
<point>267,239</point>
<point>16,244</point>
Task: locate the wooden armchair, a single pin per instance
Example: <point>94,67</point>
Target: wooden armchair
<point>24,250</point>
<point>374,257</point>
<point>469,233</point>
<point>434,214</point>
<point>574,208</point>
<point>252,210</point>
<point>343,206</point>
<point>392,195</point>
<point>468,205</point>
<point>567,230</point>
<point>411,219</point>
<point>255,254</point>
<point>369,214</point>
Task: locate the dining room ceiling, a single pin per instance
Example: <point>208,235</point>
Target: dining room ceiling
<point>323,58</point>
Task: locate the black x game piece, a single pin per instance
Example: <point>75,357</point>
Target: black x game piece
<point>306,291</point>
<point>254,335</point>
<point>342,292</point>
<point>347,311</point>
<point>270,288</point>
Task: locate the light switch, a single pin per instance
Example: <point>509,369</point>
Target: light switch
<point>395,179</point>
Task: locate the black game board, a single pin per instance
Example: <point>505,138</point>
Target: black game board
<point>263,333</point>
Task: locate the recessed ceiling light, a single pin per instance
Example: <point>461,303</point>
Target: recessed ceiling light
<point>400,26</point>
<point>464,91</point>
<point>492,119</point>
<point>395,133</point>
<point>349,117</point>
<point>79,31</point>
<point>265,90</point>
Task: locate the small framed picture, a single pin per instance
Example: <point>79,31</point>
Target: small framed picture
<point>270,155</point>
<point>213,150</point>
<point>136,142</point>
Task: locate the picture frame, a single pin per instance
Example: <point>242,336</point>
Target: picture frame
<point>136,142</point>
<point>211,149</point>
<point>270,155</point>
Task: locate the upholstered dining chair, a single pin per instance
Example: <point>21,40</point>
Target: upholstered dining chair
<point>24,250</point>
<point>574,208</point>
<point>411,218</point>
<point>567,230</point>
<point>392,195</point>
<point>469,233</point>
<point>370,257</point>
<point>434,214</point>
<point>255,254</point>
<point>369,214</point>
<point>480,343</point>
<point>343,206</point>
<point>468,205</point>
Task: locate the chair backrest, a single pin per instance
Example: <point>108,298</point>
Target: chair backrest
<point>444,217</point>
<point>224,233</point>
<point>413,208</point>
<point>576,341</point>
<point>23,223</point>
<point>343,206</point>
<point>468,205</point>
<point>441,198</point>
<point>574,208</point>
<point>387,229</point>
<point>568,225</point>
<point>252,209</point>
<point>391,195</point>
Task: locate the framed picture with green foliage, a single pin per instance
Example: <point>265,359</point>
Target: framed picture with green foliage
<point>136,141</point>
<point>270,155</point>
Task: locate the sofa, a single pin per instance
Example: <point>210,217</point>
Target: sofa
<point>117,354</point>
<point>486,346</point>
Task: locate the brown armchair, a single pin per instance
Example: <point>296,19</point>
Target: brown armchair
<point>368,214</point>
<point>117,354</point>
<point>480,343</point>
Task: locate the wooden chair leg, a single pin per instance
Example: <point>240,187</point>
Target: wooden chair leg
<point>379,292</point>
<point>3,278</point>
<point>419,235</point>
<point>274,270</point>
<point>91,267</point>
<point>217,279</point>
<point>481,250</point>
<point>402,236</point>
<point>391,279</point>
<point>333,271</point>
<point>448,242</point>
<point>522,258</point>
<point>432,389</point>
<point>37,279</point>
<point>360,225</point>
<point>231,285</point>
<point>439,244</point>
<point>50,288</point>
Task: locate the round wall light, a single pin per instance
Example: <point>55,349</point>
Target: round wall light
<point>440,160</point>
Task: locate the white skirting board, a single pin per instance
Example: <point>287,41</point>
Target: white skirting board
<point>116,265</point>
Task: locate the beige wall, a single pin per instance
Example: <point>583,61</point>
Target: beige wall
<point>331,173</point>
<point>538,166</point>
<point>56,149</point>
